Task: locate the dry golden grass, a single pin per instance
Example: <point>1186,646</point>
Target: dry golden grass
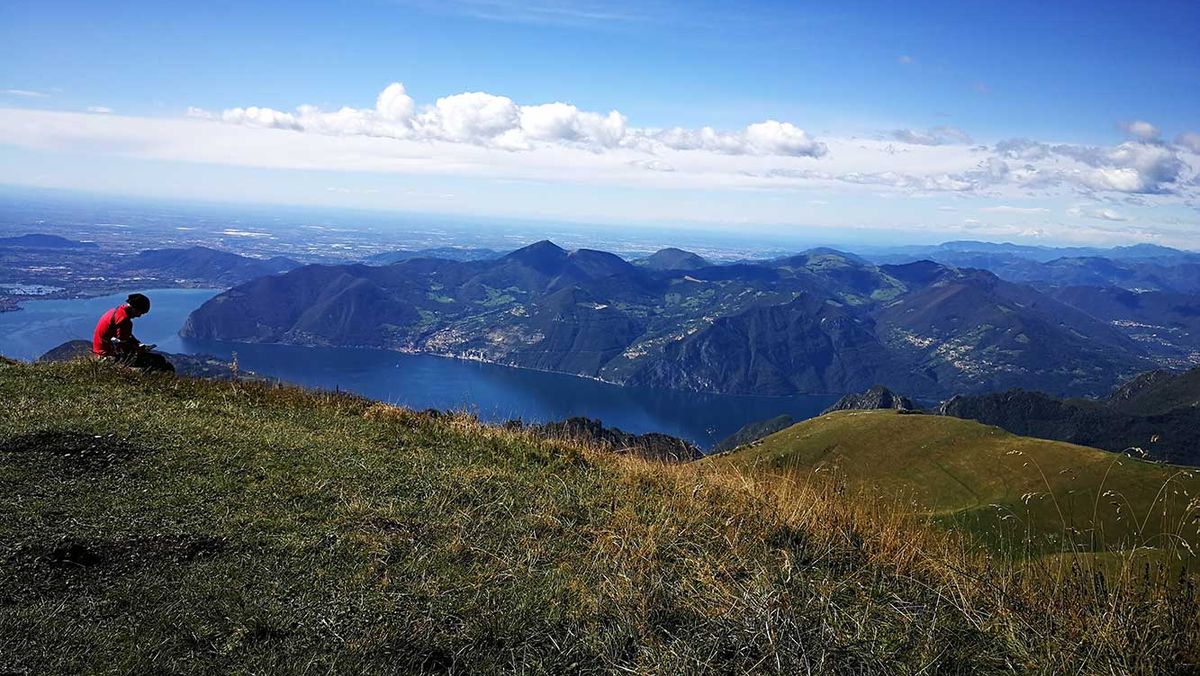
<point>357,537</point>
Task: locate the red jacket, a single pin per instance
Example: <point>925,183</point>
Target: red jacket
<point>116,323</point>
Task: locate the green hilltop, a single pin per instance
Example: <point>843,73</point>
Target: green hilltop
<point>158,524</point>
<point>1018,494</point>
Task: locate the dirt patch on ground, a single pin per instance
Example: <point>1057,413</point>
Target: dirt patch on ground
<point>77,450</point>
<point>82,554</point>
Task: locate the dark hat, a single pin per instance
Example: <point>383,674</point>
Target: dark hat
<point>138,302</point>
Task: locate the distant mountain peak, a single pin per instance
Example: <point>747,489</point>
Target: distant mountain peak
<point>542,248</point>
<point>878,397</point>
<point>545,257</point>
<point>542,256</point>
<point>672,258</point>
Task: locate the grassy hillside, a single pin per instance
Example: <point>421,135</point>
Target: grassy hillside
<point>153,524</point>
<point>1020,493</point>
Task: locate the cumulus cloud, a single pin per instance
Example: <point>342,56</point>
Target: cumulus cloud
<point>477,134</point>
<point>1141,130</point>
<point>935,136</point>
<point>781,138</point>
<point>101,110</point>
<point>394,103</point>
<point>492,121</point>
<point>1130,167</point>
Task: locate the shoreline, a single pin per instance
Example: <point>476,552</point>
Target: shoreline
<point>489,362</point>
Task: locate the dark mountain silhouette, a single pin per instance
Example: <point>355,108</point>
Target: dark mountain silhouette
<point>874,399</point>
<point>449,253</point>
<point>1157,392</point>
<point>1157,412</point>
<point>807,345</point>
<point>971,326</point>
<point>751,432</point>
<point>672,259</point>
<point>1165,323</point>
<point>652,446</point>
<point>1132,268</point>
<point>818,322</point>
<point>202,264</point>
<point>1039,254</point>
<point>40,241</point>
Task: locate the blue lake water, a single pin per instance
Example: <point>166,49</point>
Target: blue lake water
<point>494,393</point>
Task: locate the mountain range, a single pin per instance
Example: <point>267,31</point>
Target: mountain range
<point>1156,415</point>
<point>821,321</point>
<point>1143,267</point>
<point>202,264</point>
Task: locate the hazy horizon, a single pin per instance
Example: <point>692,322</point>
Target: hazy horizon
<point>677,236</point>
<point>1027,122</point>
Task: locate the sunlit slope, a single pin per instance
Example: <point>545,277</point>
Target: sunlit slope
<point>164,525</point>
<point>1003,487</point>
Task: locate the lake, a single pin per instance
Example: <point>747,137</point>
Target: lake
<point>494,393</point>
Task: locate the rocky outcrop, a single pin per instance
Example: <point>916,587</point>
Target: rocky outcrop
<point>652,446</point>
<point>878,397</point>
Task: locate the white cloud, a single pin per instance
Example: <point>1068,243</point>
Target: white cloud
<point>1130,167</point>
<point>1189,140</point>
<point>905,60</point>
<point>652,165</point>
<point>261,117</point>
<point>26,93</point>
<point>564,122</point>
<point>1141,130</point>
<point>470,117</point>
<point>935,136</point>
<point>477,134</point>
<point>100,110</point>
<point>1102,213</point>
<point>491,121</point>
<point>1006,209</point>
<point>394,103</point>
<point>781,138</point>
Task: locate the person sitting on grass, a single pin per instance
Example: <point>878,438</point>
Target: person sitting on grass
<point>114,341</point>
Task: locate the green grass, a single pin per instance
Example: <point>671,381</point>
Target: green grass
<point>154,524</point>
<point>1019,494</point>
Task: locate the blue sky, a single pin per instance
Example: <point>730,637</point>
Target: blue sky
<point>878,115</point>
